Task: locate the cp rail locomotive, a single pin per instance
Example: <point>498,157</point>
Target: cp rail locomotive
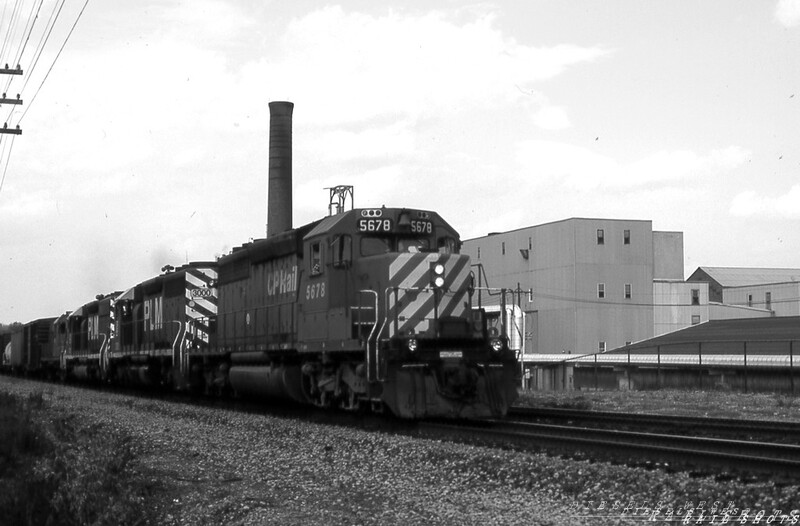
<point>366,308</point>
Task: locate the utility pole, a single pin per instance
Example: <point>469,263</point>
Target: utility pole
<point>5,100</point>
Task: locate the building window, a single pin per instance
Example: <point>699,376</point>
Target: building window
<point>503,248</point>
<point>479,252</point>
<point>601,237</point>
<point>768,300</point>
<point>695,296</point>
<point>530,244</point>
<point>601,347</point>
<point>627,291</point>
<point>626,237</point>
<point>695,319</point>
<point>601,290</point>
<point>749,300</point>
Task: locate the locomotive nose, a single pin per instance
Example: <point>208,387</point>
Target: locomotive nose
<point>460,380</point>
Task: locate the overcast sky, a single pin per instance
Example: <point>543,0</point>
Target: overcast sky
<point>147,144</point>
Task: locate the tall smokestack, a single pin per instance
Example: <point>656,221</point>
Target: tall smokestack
<point>279,190</point>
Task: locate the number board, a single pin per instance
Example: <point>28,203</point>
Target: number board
<point>375,225</point>
<point>202,293</point>
<point>380,225</point>
<point>421,227</point>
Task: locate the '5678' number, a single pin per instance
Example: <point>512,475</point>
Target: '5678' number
<point>315,290</point>
<point>374,225</point>
<point>422,227</point>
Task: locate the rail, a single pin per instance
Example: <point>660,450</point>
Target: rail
<point>786,432</point>
<point>778,461</point>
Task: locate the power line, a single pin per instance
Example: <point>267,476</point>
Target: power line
<point>51,23</point>
<point>24,43</point>
<point>11,26</point>
<point>8,159</point>
<point>608,302</point>
<point>30,103</point>
<point>28,25</point>
<point>38,53</point>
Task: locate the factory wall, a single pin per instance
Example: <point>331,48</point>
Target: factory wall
<point>668,255</point>
<point>591,279</point>
<point>678,304</point>
<point>782,299</point>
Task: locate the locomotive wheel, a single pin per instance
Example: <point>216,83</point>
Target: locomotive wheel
<point>351,402</point>
<point>315,396</point>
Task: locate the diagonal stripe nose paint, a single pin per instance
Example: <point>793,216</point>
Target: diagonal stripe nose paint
<point>412,301</point>
<point>201,303</point>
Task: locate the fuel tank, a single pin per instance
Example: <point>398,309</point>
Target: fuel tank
<point>266,381</point>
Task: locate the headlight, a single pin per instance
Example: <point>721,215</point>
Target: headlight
<point>412,344</point>
<point>497,344</point>
<point>437,275</point>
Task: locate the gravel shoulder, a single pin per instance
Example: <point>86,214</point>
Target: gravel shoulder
<point>214,466</point>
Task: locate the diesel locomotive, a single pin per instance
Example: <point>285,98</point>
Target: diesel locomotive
<point>366,308</point>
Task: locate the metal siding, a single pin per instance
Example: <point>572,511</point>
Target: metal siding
<point>563,268</point>
<point>785,297</point>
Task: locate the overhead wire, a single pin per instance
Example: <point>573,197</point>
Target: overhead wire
<point>3,18</point>
<point>43,39</point>
<point>77,19</point>
<point>629,303</point>
<point>29,28</point>
<point>9,31</point>
<point>8,158</point>
<point>29,25</point>
<point>51,22</point>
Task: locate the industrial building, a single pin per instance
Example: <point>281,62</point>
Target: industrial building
<point>590,285</point>
<point>587,286</point>
<point>752,354</point>
<point>776,290</point>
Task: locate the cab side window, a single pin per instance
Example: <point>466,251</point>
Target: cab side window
<point>316,258</point>
<point>342,248</point>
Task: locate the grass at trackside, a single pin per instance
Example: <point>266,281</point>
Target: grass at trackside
<point>721,404</point>
<point>55,471</point>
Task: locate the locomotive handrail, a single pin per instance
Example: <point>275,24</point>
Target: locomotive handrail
<point>181,334</point>
<point>502,293</point>
<point>371,333</point>
<point>103,359</point>
<point>383,327</point>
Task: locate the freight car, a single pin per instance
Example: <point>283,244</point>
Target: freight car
<point>31,349</point>
<point>366,308</point>
<point>5,348</point>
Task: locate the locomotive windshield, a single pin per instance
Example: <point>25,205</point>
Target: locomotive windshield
<point>375,245</point>
<point>384,231</point>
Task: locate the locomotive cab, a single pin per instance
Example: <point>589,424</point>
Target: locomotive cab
<point>385,315</point>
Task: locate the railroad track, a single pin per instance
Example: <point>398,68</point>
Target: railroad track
<point>759,430</point>
<point>677,452</point>
<point>687,452</point>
